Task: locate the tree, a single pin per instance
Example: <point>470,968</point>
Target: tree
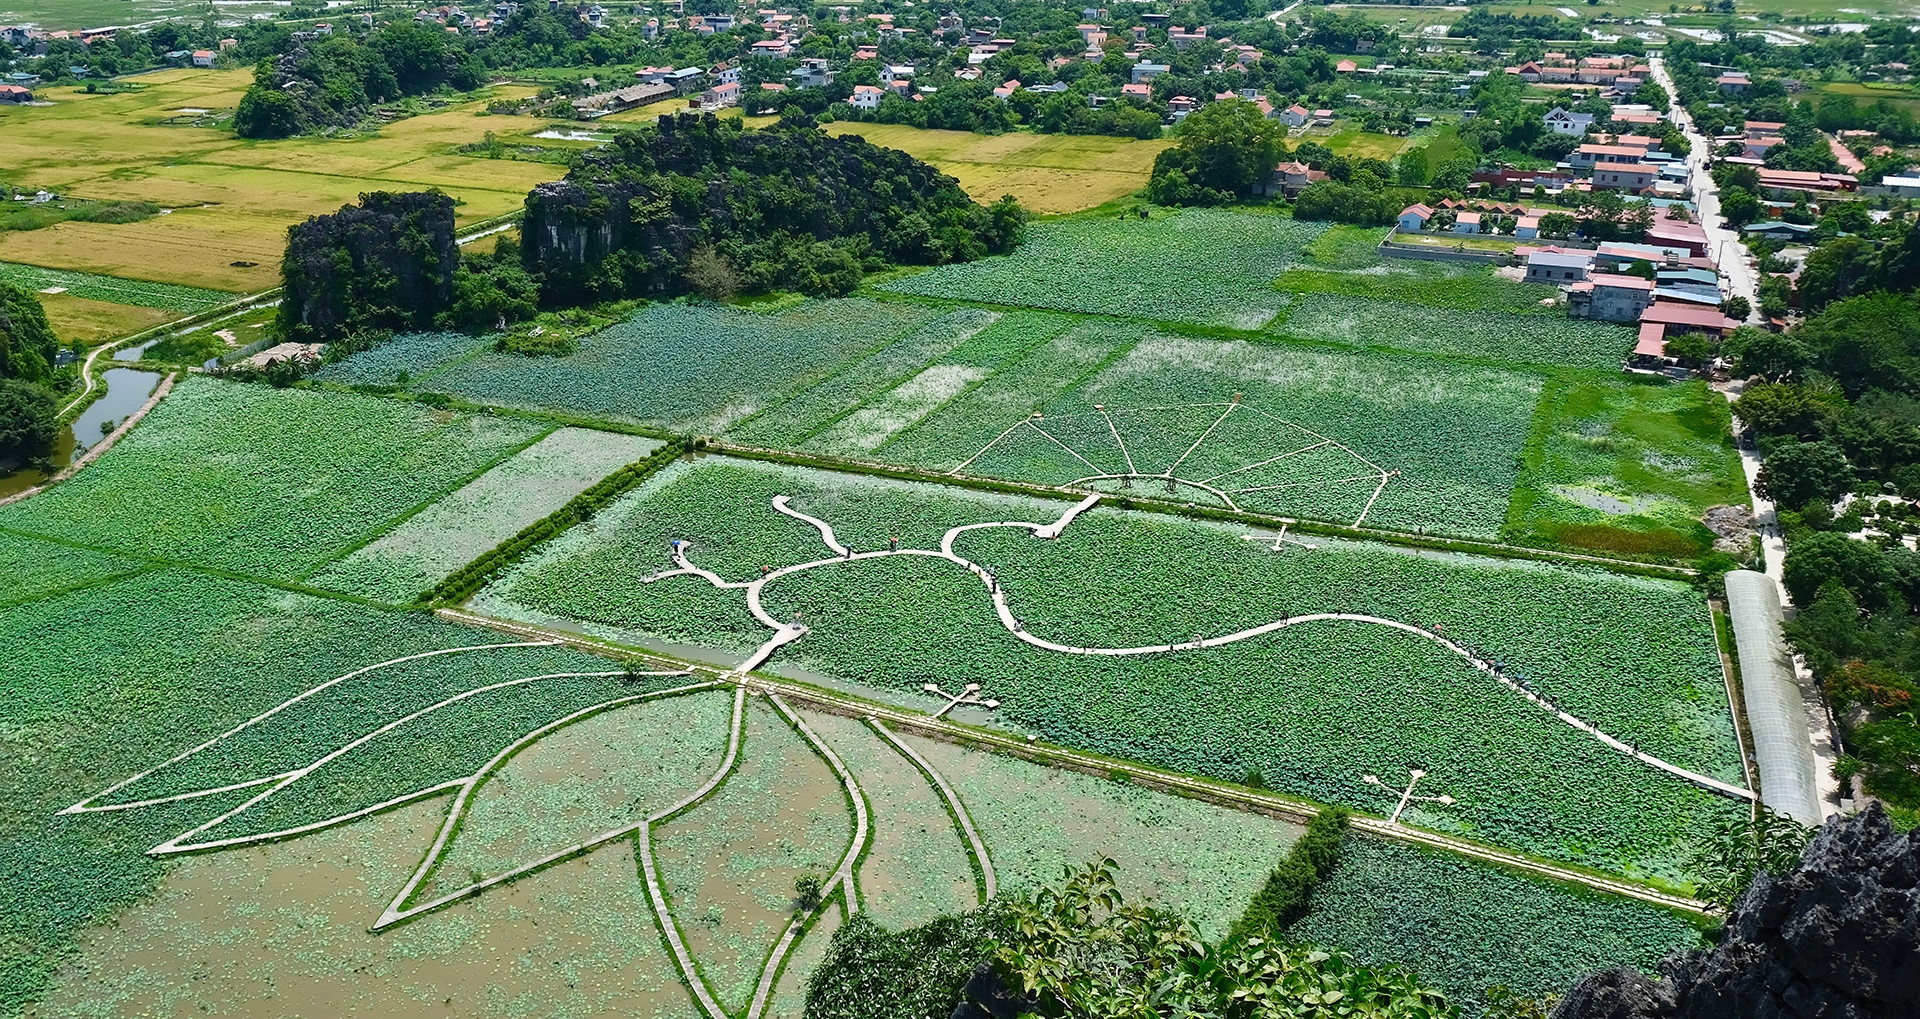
<point>1823,557</point>
<point>28,423</point>
<point>1736,308</point>
<point>1740,849</point>
<point>27,343</point>
<point>1867,342</point>
<point>1558,224</point>
<point>1739,206</point>
<point>1411,167</point>
<point>1837,269</point>
<point>1232,144</point>
<point>710,274</point>
<point>266,112</point>
<point>1775,357</point>
<point>1692,349</point>
<point>1799,472</point>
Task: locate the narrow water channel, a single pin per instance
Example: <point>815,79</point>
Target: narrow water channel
<point>125,390</point>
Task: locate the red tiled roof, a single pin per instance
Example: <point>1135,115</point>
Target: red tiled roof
<point>1653,340</point>
<point>1683,315</point>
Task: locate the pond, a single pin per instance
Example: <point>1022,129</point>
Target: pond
<point>125,390</point>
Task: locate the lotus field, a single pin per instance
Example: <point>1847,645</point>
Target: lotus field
<point>490,509</point>
<point>1485,335</point>
<point>1207,267</point>
<point>269,482</point>
<point>114,289</point>
<point>1310,707</point>
<point>1467,927</point>
<point>682,367</point>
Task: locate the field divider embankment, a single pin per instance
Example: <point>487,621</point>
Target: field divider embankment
<point>1469,546</point>
<point>1192,787</point>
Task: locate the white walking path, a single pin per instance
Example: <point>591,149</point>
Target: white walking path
<point>843,876</point>
<point>398,910</point>
<point>1134,473</point>
<point>87,805</point>
<point>785,633</point>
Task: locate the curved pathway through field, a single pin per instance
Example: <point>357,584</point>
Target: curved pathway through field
<point>788,631</point>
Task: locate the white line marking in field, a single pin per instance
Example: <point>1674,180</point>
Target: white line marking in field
<point>397,910</point>
<point>1128,457</point>
<point>84,806</point>
<point>1203,437</point>
<point>1013,625</point>
<point>1266,462</point>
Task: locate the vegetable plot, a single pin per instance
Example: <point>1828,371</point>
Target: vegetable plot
<point>1485,334</point>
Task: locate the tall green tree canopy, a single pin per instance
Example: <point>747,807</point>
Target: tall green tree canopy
<point>27,343</point>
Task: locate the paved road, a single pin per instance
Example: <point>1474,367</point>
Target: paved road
<point>1724,242</point>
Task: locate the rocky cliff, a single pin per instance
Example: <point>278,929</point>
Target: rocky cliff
<point>1838,938</point>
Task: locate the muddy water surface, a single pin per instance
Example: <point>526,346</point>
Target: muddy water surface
<point>281,930</point>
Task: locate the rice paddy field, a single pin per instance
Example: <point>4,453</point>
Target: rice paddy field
<point>1050,174</point>
<point>231,200</point>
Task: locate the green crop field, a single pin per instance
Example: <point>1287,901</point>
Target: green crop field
<point>1627,466</point>
<point>1467,927</point>
<point>114,290</point>
<point>1208,267</point>
<point>461,527</point>
<point>268,482</point>
<point>1310,707</point>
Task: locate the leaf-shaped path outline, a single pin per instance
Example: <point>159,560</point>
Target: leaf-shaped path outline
<point>398,910</point>
<point>180,843</point>
<point>87,806</point>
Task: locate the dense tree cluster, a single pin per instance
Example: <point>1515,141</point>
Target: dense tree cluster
<point>27,343</point>
<point>388,263</point>
<point>27,352</point>
<point>699,204</point>
<point>1838,412</point>
<point>333,81</point>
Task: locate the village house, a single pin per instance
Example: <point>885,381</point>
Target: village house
<point>1466,223</point>
<point>1561,121</point>
<point>1634,177</point>
<point>1553,266</point>
<point>1610,297</point>
<point>867,97</point>
<point>1296,115</point>
<point>1414,217</point>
